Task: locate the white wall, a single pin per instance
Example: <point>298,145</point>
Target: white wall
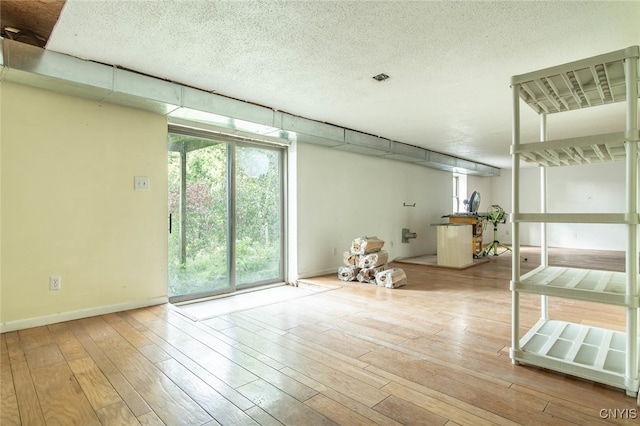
<point>594,188</point>
<point>343,195</point>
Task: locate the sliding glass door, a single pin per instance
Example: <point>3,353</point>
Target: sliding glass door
<point>258,217</point>
<point>225,216</point>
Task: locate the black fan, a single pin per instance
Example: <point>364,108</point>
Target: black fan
<point>473,202</point>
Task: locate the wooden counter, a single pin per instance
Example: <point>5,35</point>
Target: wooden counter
<point>455,244</point>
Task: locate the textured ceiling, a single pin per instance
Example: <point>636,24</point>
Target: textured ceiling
<point>450,62</point>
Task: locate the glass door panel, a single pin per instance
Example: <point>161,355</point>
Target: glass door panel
<point>259,218</point>
<point>198,215</point>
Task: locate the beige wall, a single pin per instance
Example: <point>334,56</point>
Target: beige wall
<point>68,206</point>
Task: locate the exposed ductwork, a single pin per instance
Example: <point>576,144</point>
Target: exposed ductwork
<point>34,66</point>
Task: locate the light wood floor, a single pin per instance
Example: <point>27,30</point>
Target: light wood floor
<point>433,353</point>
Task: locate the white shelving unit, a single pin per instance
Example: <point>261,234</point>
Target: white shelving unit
<point>593,353</point>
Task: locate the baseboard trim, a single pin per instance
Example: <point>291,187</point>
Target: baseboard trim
<point>318,273</point>
<point>82,313</point>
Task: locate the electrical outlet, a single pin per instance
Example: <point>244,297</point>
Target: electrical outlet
<point>141,183</point>
<point>55,283</point>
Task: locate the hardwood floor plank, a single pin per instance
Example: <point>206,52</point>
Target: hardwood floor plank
<point>9,412</point>
<point>347,385</point>
<point>587,397</point>
<point>224,389</point>
<point>484,367</point>
<point>262,417</point>
<point>159,333</point>
<point>436,344</point>
<point>126,391</point>
<point>61,397</point>
<point>421,370</point>
<point>407,413</point>
<point>39,347</point>
<point>278,379</point>
<point>69,345</point>
<point>124,315</point>
<point>336,412</point>
<point>334,343</point>
<point>351,366</point>
<point>258,368</point>
<point>375,318</point>
<point>480,342</point>
<point>415,320</point>
<point>284,408</point>
<point>117,414</point>
<point>170,403</point>
<point>271,321</point>
<point>150,419</point>
<point>365,332</point>
<point>502,401</point>
<point>315,354</point>
<point>126,330</point>
<point>264,327</point>
<point>94,384</point>
<point>199,346</point>
<point>133,332</point>
<point>442,404</point>
<point>576,417</point>
<point>217,323</point>
<point>223,411</point>
<point>31,338</point>
<point>44,355</point>
<point>14,347</point>
<point>354,381</point>
<point>240,321</point>
<point>28,403</point>
<point>443,409</point>
<point>345,400</point>
<point>265,358</point>
<point>154,353</point>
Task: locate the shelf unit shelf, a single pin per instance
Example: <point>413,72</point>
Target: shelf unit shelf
<point>589,352</point>
<point>606,356</point>
<point>595,218</point>
<point>575,283</point>
<point>590,82</point>
<point>603,148</point>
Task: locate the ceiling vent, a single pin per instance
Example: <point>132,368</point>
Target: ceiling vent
<point>380,77</point>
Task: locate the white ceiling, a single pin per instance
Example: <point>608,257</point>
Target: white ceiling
<point>450,62</point>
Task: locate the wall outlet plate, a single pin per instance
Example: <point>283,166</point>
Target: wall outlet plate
<point>55,283</point>
<point>141,183</point>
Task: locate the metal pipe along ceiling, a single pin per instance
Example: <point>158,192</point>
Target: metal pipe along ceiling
<point>30,65</point>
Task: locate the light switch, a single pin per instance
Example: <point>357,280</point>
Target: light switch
<point>141,183</point>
